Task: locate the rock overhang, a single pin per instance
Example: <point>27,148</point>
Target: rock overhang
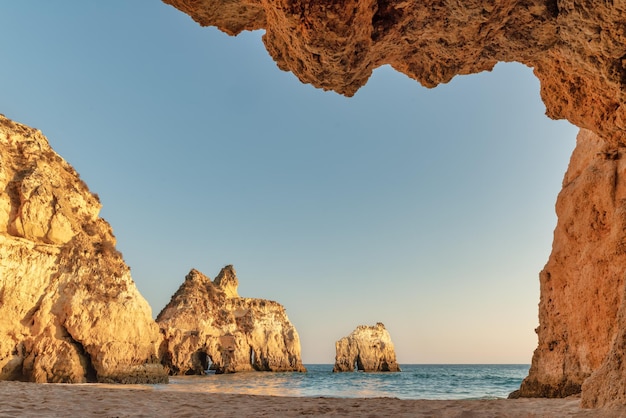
<point>577,50</point>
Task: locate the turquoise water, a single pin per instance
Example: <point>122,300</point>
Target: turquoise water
<point>416,381</point>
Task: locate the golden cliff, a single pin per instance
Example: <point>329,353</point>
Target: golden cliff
<point>69,310</point>
<point>578,51</point>
<point>207,325</point>
<point>368,348</point>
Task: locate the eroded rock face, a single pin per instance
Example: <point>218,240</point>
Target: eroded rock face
<point>206,324</point>
<point>369,348</point>
<point>69,310</point>
<point>577,48</point>
<point>582,283</point>
<point>581,312</point>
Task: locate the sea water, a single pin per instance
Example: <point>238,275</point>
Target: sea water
<point>415,381</point>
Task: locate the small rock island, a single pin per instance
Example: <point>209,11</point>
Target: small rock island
<point>368,348</point>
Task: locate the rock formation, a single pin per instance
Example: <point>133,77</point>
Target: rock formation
<point>207,325</point>
<point>581,312</point>
<point>580,284</point>
<point>577,48</point>
<point>578,51</point>
<point>69,310</point>
<point>369,348</point>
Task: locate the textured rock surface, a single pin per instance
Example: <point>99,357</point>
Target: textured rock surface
<point>69,310</point>
<point>368,348</point>
<point>207,324</point>
<point>578,51</point>
<point>589,257</point>
<point>577,48</point>
<point>582,283</point>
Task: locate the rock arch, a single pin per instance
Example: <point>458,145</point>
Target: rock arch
<point>577,49</point>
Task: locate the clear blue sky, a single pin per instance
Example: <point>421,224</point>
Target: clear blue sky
<point>431,211</point>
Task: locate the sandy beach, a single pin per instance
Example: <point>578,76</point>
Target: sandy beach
<point>93,400</point>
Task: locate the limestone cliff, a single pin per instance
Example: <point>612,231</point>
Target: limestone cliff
<point>581,285</point>
<point>207,325</point>
<point>69,310</point>
<point>578,51</point>
<point>369,348</point>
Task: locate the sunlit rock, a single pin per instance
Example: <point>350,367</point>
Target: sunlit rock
<point>368,349</point>
<point>69,310</point>
<point>207,325</point>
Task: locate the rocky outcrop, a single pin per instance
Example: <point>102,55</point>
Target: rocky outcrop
<point>368,348</point>
<point>581,285</point>
<point>207,325</point>
<point>578,51</point>
<point>69,310</point>
<point>581,336</point>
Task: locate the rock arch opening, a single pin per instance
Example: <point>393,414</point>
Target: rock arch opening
<point>201,362</point>
<point>576,50</point>
<point>358,364</point>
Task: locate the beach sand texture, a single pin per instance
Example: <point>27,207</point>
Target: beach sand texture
<point>19,399</point>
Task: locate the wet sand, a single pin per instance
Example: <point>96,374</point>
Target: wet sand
<point>93,400</point>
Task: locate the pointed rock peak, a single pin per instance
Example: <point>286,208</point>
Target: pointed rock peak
<point>196,276</point>
<point>227,281</point>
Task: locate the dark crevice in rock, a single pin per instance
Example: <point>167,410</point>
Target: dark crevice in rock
<point>359,364</point>
<point>386,17</point>
<point>617,72</point>
<point>28,319</point>
<point>166,356</point>
<point>13,191</point>
<point>553,8</point>
<point>200,361</point>
<point>85,359</point>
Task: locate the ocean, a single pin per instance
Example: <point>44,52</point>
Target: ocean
<point>415,381</point>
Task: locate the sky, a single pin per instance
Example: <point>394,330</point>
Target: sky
<point>429,210</point>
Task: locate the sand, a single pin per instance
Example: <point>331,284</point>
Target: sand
<point>93,400</point>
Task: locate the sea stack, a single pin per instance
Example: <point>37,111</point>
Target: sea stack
<point>369,348</point>
<point>69,309</point>
<point>206,325</point>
